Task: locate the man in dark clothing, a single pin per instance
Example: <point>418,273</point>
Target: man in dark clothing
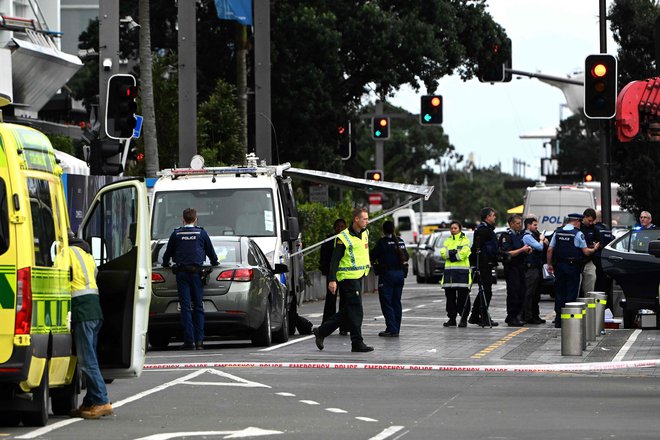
<point>330,307</point>
<point>533,264</point>
<point>514,270</point>
<point>349,265</point>
<point>591,236</point>
<point>189,246</point>
<point>603,282</point>
<point>484,257</point>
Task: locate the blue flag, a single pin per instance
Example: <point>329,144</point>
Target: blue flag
<point>237,10</point>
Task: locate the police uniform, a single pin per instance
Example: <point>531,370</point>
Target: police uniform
<point>514,271</point>
<point>330,305</point>
<point>456,278</point>
<point>188,247</point>
<point>591,236</point>
<point>349,265</point>
<point>603,282</point>
<point>388,253</point>
<point>533,263</point>
<point>484,257</point>
<point>567,244</point>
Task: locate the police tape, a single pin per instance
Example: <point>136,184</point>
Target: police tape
<point>540,368</point>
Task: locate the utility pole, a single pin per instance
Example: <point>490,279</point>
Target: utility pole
<point>187,81</point>
<point>108,51</point>
<point>262,121</point>
<point>605,141</point>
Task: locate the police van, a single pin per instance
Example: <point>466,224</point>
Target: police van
<point>37,354</point>
<point>550,204</point>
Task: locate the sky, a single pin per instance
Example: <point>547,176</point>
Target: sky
<point>550,37</point>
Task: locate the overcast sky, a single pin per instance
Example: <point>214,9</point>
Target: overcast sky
<point>551,37</point>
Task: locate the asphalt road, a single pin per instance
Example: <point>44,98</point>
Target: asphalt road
<point>183,395</point>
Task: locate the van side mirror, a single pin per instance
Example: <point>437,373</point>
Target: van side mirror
<point>654,248</point>
<point>292,229</point>
<point>281,268</point>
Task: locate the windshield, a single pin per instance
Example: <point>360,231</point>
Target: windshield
<point>246,212</point>
<point>228,252</point>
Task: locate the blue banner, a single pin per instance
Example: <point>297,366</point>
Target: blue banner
<point>237,10</point>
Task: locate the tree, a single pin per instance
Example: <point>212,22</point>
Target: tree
<point>152,165</point>
<point>579,144</point>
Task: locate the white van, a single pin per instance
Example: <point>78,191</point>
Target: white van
<point>550,204</point>
<point>405,222</point>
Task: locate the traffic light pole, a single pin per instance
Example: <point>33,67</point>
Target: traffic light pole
<point>605,138</point>
<point>380,160</point>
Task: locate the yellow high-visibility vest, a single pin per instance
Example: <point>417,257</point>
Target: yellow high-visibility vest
<point>355,262</point>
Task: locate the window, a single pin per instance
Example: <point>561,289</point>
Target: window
<point>43,221</point>
<point>4,218</point>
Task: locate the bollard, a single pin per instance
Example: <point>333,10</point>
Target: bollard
<point>591,318</point>
<point>571,331</point>
<point>583,322</point>
<point>601,305</point>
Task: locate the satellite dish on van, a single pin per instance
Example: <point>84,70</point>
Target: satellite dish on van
<point>197,162</point>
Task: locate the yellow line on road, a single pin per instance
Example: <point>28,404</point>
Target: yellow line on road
<point>498,344</point>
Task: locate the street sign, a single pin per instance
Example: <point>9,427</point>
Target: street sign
<point>549,167</point>
<point>318,193</point>
<point>375,198</point>
<point>138,126</point>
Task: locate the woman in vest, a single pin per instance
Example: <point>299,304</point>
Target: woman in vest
<point>456,279</point>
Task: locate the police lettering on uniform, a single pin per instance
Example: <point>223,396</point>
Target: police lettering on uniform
<point>188,247</point>
<point>514,269</point>
<point>533,264</point>
<point>591,236</point>
<point>565,256</point>
<point>390,259</point>
<point>483,256</point>
<point>349,265</point>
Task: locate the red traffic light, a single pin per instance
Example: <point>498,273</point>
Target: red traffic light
<point>341,129</point>
<point>376,175</point>
<point>435,101</point>
<point>588,177</point>
<point>599,70</point>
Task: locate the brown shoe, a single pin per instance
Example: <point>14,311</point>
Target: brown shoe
<point>97,411</point>
<point>78,411</point>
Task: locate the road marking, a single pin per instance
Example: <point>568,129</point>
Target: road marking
<point>420,306</point>
<point>366,419</point>
<point>624,350</point>
<point>499,343</point>
<point>309,402</point>
<point>336,410</point>
<point>387,433</point>
<point>293,341</point>
<point>286,394</point>
<point>314,315</point>
<point>247,432</point>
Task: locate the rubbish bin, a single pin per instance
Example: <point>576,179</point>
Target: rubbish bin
<point>572,330</point>
<point>590,304</point>
<point>583,321</point>
<point>601,305</point>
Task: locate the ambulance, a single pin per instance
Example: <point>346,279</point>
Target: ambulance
<point>37,356</point>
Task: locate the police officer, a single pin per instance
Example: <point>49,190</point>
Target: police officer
<point>603,282</point>
<point>645,221</point>
<point>330,306</point>
<point>533,263</point>
<point>86,321</point>
<point>591,236</point>
<point>514,269</point>
<point>348,266</point>
<point>484,257</point>
<point>568,248</point>
<point>456,278</point>
<point>188,247</point>
<point>390,257</point>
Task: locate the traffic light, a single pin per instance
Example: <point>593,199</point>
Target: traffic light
<point>380,128</point>
<point>588,177</point>
<point>344,140</point>
<point>376,175</point>
<point>494,61</point>
<point>101,156</point>
<point>600,76</point>
<point>120,106</point>
<point>430,110</point>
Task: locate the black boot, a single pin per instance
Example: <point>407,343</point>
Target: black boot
<point>463,322</point>
<point>450,323</point>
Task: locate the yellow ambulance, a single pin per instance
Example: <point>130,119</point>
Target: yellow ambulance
<point>37,356</point>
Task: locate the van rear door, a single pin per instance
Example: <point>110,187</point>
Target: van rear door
<point>117,227</point>
<point>7,264</point>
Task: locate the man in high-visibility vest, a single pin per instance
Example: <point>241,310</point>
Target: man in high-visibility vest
<point>348,266</point>
<point>86,321</point>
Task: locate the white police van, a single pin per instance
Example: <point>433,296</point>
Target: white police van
<point>550,204</point>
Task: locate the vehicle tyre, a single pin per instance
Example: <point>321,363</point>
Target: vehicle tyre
<point>159,341</point>
<point>420,279</point>
<point>282,334</point>
<point>262,336</point>
<point>293,313</point>
<point>38,416</point>
<point>63,400</point>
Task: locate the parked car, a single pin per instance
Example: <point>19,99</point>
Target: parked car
<point>243,296</point>
<point>419,255</point>
<point>628,261</point>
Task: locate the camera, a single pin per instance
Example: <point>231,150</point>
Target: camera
<point>107,64</point>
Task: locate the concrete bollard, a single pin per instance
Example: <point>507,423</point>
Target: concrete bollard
<point>601,305</point>
<point>591,318</point>
<point>571,331</point>
<point>583,321</point>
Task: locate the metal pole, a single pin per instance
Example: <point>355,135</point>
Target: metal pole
<point>187,81</point>
<point>379,144</point>
<point>605,141</point>
<point>262,121</point>
<point>108,50</point>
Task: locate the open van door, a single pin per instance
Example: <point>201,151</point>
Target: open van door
<point>117,229</point>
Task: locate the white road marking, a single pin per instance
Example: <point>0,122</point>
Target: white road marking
<point>314,315</point>
<point>406,310</point>
<point>309,402</point>
<point>336,410</point>
<point>624,350</point>
<point>387,433</point>
<point>286,394</point>
<point>366,419</point>
<point>420,306</point>
<point>247,432</point>
<point>293,341</point>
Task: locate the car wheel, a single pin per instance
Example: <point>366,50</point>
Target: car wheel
<point>159,341</point>
<point>64,399</point>
<point>262,336</point>
<point>38,416</point>
<point>282,335</point>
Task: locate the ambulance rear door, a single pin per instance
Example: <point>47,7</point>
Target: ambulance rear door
<point>117,228</point>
